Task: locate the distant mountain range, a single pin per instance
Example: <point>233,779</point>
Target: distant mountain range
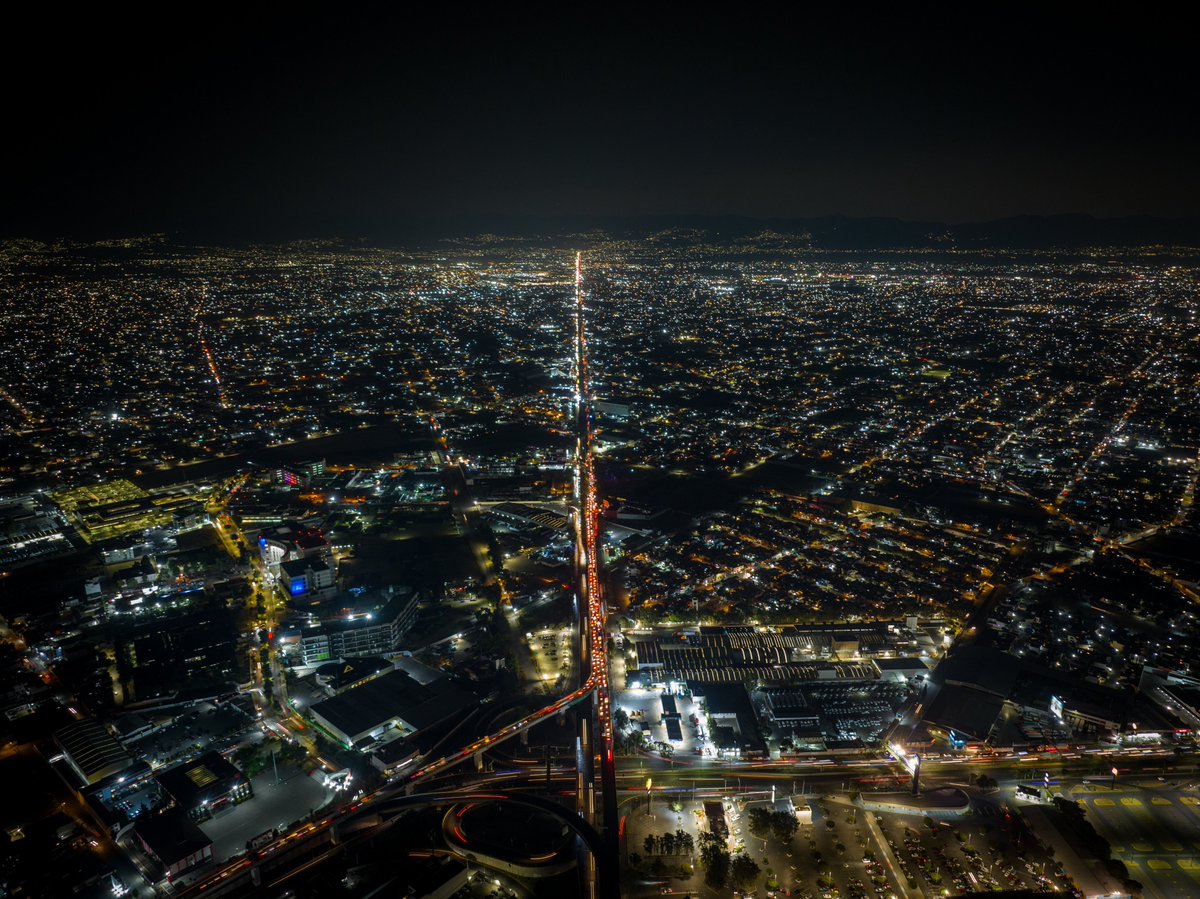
<point>833,232</point>
<point>844,232</point>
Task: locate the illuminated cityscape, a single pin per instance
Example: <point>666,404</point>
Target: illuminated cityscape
<point>595,459</point>
<point>729,523</point>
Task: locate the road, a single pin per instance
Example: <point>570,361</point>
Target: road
<point>596,735</point>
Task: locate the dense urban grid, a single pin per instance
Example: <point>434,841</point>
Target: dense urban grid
<point>596,564</point>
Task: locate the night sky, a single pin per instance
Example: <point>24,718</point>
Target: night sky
<point>338,123</point>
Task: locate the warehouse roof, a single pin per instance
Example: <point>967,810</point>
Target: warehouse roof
<point>394,695</point>
<point>92,751</point>
<point>205,778</point>
<point>965,710</point>
<point>171,836</point>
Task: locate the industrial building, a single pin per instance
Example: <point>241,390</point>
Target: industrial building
<point>91,751</point>
<point>733,726</point>
<point>392,702</point>
<point>174,841</point>
<point>782,654</point>
<point>205,785</point>
<point>522,517</point>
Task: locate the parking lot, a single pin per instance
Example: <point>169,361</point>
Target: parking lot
<point>834,856</point>
<point>272,805</point>
<point>206,726</point>
<point>1154,829</point>
<point>840,854</point>
<point>553,656</point>
<point>851,853</point>
<point>983,852</point>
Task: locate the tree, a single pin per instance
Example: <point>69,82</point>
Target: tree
<point>987,783</point>
<point>291,753</point>
<point>743,872</point>
<point>621,719</point>
<point>254,767</point>
<point>715,859</point>
<point>633,741</point>
<point>784,826</point>
<point>675,805</point>
<point>759,820</point>
<point>668,843</point>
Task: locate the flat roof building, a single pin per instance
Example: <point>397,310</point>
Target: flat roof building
<point>734,655</point>
<point>173,840</point>
<point>393,755</point>
<point>205,785</point>
<point>735,728</point>
<point>964,710</point>
<point>391,701</point>
<point>307,580</point>
<point>714,814</point>
<point>337,677</point>
<point>904,669</point>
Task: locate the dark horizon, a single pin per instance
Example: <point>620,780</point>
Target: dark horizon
<point>271,126</point>
<point>1065,232</point>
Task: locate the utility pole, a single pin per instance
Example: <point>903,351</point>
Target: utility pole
<point>275,766</point>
